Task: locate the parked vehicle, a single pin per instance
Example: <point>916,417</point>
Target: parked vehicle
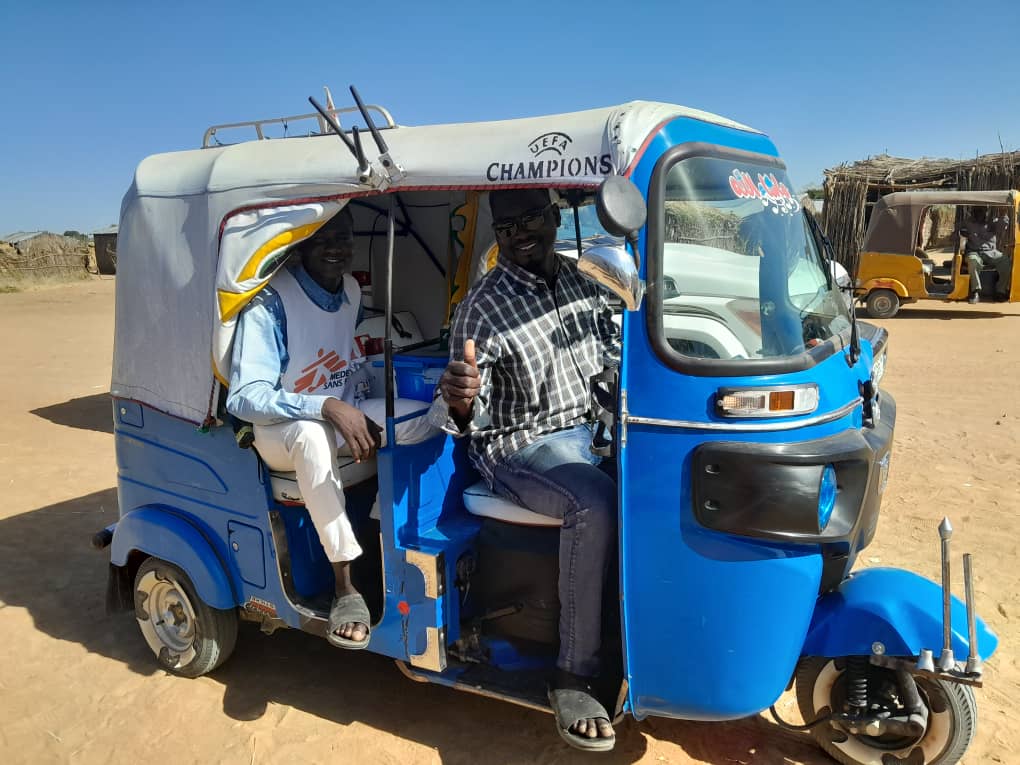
<point>751,435</point>
<point>895,266</point>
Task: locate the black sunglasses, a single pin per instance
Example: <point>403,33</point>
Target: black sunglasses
<point>533,220</point>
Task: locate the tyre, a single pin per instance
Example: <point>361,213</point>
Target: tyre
<point>882,304</point>
<point>952,718</point>
<point>188,637</point>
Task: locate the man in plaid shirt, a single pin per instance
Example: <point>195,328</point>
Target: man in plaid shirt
<point>524,346</point>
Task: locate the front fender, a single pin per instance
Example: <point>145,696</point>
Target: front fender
<point>164,534</point>
<point>897,608</point>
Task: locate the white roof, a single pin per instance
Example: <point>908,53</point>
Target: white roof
<point>201,231</point>
<point>433,155</point>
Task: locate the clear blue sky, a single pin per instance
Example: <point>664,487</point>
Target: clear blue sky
<point>90,88</point>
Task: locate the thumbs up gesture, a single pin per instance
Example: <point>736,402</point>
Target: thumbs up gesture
<point>461,382</point>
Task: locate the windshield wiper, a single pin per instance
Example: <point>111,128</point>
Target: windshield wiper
<point>854,352</point>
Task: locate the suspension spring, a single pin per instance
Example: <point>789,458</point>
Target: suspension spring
<point>857,684</point>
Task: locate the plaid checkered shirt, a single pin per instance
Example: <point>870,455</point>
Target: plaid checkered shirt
<point>537,349</point>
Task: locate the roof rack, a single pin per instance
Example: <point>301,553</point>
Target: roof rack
<point>209,139</point>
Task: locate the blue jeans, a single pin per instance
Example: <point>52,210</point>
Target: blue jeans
<point>558,476</point>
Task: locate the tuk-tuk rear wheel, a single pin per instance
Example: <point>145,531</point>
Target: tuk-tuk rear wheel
<point>882,304</point>
<point>952,719</point>
<point>188,637</point>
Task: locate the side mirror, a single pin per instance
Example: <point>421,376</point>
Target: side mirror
<point>620,206</point>
<point>613,268</point>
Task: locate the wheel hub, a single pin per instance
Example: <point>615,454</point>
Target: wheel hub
<point>167,618</point>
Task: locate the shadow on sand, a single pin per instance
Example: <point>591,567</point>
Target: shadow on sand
<point>87,413</point>
<point>935,313</point>
<point>62,586</point>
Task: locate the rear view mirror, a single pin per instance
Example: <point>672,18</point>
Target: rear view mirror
<point>620,206</point>
<point>614,269</point>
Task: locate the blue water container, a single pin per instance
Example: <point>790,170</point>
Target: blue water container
<point>418,372</point>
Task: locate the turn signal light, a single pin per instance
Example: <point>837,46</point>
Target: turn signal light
<point>767,402</point>
<point>781,401</point>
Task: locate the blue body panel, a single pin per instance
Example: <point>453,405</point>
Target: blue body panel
<point>196,500</point>
<point>713,624</point>
<point>897,608</point>
<point>420,489</point>
<point>188,497</point>
<point>160,532</point>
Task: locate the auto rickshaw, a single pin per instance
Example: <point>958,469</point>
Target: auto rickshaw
<point>750,433</point>
<point>902,262</point>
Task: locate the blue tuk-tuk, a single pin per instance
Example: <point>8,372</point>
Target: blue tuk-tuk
<point>750,433</point>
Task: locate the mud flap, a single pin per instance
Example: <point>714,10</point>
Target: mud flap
<point>119,595</point>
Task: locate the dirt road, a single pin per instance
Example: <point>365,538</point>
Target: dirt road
<point>79,686</point>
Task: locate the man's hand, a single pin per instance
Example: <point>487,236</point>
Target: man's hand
<point>460,383</point>
<point>361,434</point>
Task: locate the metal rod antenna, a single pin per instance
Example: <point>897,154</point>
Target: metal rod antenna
<point>360,155</point>
<point>379,140</point>
<point>946,660</point>
<point>973,658</point>
<point>339,131</point>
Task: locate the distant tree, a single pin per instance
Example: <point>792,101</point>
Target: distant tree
<point>75,234</point>
<point>815,192</point>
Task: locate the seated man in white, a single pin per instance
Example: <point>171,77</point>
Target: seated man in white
<point>297,375</point>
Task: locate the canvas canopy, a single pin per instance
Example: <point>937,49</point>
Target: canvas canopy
<point>895,220</point>
<point>202,231</point>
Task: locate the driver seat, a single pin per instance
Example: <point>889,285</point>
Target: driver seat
<point>482,502</point>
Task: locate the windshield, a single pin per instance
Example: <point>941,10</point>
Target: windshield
<point>589,219</point>
<point>743,277</point>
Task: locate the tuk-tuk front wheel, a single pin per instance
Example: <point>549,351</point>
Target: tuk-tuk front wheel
<point>882,304</point>
<point>188,637</point>
<point>952,716</point>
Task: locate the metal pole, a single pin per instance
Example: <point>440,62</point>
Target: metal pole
<point>577,229</point>
<point>388,342</point>
<point>973,659</point>
<point>946,660</point>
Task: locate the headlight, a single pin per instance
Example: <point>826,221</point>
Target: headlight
<point>827,491</point>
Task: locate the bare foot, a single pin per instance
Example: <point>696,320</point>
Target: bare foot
<point>357,631</point>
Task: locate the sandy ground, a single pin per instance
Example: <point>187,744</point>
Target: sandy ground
<point>79,686</point>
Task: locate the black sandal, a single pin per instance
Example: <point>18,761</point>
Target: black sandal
<point>572,705</point>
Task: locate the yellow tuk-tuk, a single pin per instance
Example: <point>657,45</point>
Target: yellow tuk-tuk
<point>905,258</point>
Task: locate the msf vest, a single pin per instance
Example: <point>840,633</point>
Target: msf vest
<point>323,355</point>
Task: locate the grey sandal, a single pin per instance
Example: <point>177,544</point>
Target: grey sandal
<point>345,609</point>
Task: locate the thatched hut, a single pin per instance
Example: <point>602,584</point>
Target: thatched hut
<point>851,190</point>
<point>30,257</point>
